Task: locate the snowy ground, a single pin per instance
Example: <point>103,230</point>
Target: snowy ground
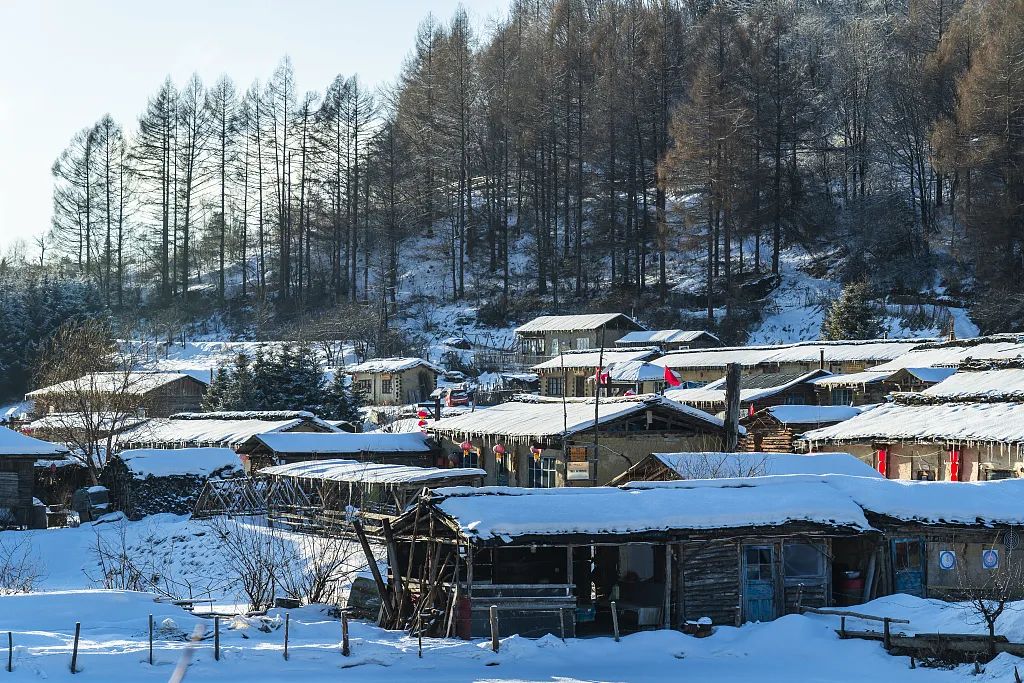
<point>114,648</point>
<point>114,633</point>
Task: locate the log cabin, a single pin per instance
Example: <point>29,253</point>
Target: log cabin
<point>158,394</point>
<point>18,454</point>
<point>777,429</point>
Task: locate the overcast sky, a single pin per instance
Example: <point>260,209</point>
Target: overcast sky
<point>67,62</point>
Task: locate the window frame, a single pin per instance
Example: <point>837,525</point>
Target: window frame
<point>819,555</point>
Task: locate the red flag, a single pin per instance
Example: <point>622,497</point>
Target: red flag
<point>600,376</point>
<point>671,377</point>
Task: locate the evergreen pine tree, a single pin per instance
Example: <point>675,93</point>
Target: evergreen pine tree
<point>852,315</point>
<point>344,401</point>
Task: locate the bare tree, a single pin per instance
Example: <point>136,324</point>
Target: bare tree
<point>990,578</point>
<point>91,390</point>
<point>19,567</point>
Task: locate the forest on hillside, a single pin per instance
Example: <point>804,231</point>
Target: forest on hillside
<point>592,139</point>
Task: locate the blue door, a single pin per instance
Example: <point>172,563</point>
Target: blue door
<point>758,583</point>
<point>908,566</point>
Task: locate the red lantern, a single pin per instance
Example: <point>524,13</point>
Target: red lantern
<point>466,447</point>
<point>536,451</point>
<point>498,449</point>
<point>422,423</point>
<point>422,414</point>
<point>954,465</point>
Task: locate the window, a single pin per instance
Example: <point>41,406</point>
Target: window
<point>636,562</point>
<point>906,554</point>
<point>385,386</point>
<point>364,386</point>
<point>582,342</point>
<point>794,400</point>
<point>758,561</point>
<point>554,346</point>
<point>803,560</point>
<point>534,346</point>
<point>542,472</point>
<point>842,397</point>
<point>555,386</point>
<point>471,459</point>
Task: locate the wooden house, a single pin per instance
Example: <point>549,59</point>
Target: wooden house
<point>965,428</point>
<point>547,442</point>
<point>573,373</point>
<point>153,393</point>
<point>325,495</point>
<point>280,448</point>
<point>669,340</point>
<point>777,429</point>
<point>703,465</point>
<point>756,391</point>
<point>548,336</point>
<point>667,553</point>
<point>18,454</point>
<point>394,381</point>
<point>872,386</point>
<point>838,357</point>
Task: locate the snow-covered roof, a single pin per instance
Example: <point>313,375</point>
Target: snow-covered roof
<point>15,411</point>
<point>813,414</point>
<point>865,350</point>
<point>1001,384</point>
<point>536,418</point>
<point>635,371</point>
<point>956,422</point>
<point>166,462</point>
<point>16,443</point>
<point>342,442</point>
<point>369,472</point>
<point>59,422</point>
<point>592,358</point>
<point>491,512</point>
<point>379,365</point>
<point>135,382</point>
<point>725,465</point>
<point>193,428</point>
<point>763,386</point>
<point>567,323</point>
<point>953,353</point>
<point>664,337</point>
<point>854,379</point>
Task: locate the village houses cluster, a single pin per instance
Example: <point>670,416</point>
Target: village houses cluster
<point>604,477</point>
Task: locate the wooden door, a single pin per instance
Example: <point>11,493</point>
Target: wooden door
<point>758,583</point>
<point>908,566</point>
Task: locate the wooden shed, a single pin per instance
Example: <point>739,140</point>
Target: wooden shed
<point>777,429</point>
<point>158,394</point>
<point>18,454</point>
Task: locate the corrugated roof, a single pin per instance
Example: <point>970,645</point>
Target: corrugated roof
<point>1003,384</point>
<point>221,432</point>
<point>536,418</point>
<point>567,323</point>
<point>752,388</point>
<point>635,371</point>
<point>814,415</point>
<point>344,442</point>
<point>725,465</point>
<point>865,350</point>
<point>664,337</point>
<point>591,358</point>
<point>369,472</point>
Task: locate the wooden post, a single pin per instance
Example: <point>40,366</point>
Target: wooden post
<point>615,621</point>
<point>666,607</point>
<point>151,640</point>
<point>419,642</point>
<point>561,622</point>
<point>494,627</point>
<point>842,627</point>
<point>372,561</point>
<point>216,638</point>
<point>10,651</point>
<point>287,620</point>
<point>732,407</point>
<point>74,650</point>
<point>345,651</point>
<point>885,633</point>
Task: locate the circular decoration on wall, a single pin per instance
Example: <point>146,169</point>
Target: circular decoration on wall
<point>990,558</point>
<point>1011,540</point>
<point>947,559</point>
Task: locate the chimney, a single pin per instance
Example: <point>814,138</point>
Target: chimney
<point>821,359</point>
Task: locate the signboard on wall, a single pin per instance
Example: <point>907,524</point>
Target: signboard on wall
<point>990,558</point>
<point>577,471</point>
<point>947,559</point>
<point>579,453</point>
